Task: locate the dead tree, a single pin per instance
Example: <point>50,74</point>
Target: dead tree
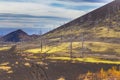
<point>71,45</point>
<point>61,37</point>
<point>41,44</point>
<point>82,46</point>
<point>45,43</point>
<point>83,35</point>
<point>109,22</point>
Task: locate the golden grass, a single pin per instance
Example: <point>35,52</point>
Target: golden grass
<point>61,78</point>
<point>53,49</point>
<point>10,71</point>
<point>98,31</point>
<point>102,46</point>
<point>91,60</point>
<point>110,74</point>
<point>61,49</point>
<point>27,64</point>
<point>4,64</point>
<point>103,32</point>
<point>54,39</point>
<point>4,48</point>
<point>64,48</point>
<point>37,50</point>
<point>5,68</point>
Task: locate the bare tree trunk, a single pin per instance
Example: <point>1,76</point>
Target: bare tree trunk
<point>71,45</point>
<point>45,44</point>
<point>41,45</point>
<point>82,52</point>
<point>107,19</point>
<point>61,38</point>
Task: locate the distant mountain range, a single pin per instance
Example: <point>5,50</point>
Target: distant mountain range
<point>18,36</point>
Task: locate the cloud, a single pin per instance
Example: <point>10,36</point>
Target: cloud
<point>43,14</point>
<point>102,1</point>
<point>47,8</point>
<point>34,15</point>
<point>38,10</point>
<point>28,21</point>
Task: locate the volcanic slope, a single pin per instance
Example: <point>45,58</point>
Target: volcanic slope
<point>101,24</point>
<point>97,32</point>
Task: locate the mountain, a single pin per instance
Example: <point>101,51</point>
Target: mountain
<point>97,32</point>
<point>101,24</point>
<point>16,36</point>
<point>34,36</point>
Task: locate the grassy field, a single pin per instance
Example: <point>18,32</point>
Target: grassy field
<point>58,66</point>
<point>90,47</point>
<point>61,52</point>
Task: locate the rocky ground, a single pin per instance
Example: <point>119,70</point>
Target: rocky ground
<point>13,66</point>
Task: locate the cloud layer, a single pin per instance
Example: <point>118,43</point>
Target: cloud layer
<point>43,14</point>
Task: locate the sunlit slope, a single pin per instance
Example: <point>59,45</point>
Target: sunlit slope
<point>98,32</point>
<point>95,33</point>
<point>89,47</point>
<point>94,52</point>
<point>101,24</point>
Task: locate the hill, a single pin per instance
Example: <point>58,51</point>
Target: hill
<point>16,36</point>
<point>101,24</point>
<point>96,33</point>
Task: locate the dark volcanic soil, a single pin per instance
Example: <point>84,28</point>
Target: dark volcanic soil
<point>21,69</point>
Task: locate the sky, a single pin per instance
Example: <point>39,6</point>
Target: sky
<point>35,15</point>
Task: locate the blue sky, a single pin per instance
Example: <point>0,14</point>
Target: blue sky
<point>42,14</point>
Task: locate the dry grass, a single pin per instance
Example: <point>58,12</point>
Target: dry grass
<point>100,47</point>
<point>4,66</point>
<point>111,74</point>
<point>98,31</point>
<point>4,48</point>
<point>91,60</point>
<point>103,32</point>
